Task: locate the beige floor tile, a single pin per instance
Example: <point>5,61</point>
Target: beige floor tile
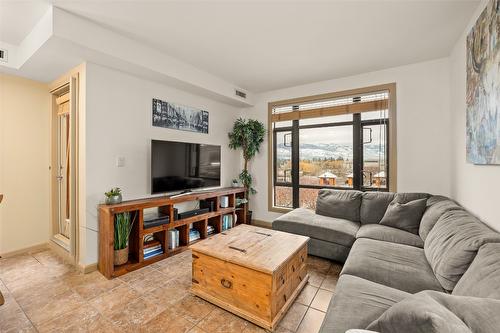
<point>318,265</point>
<point>336,268</point>
<point>196,329</point>
<point>330,281</point>
<point>149,282</point>
<point>42,290</point>
<point>194,308</point>
<point>44,309</point>
<point>316,278</point>
<point>133,315</point>
<point>321,300</point>
<point>91,285</point>
<point>168,294</point>
<point>137,274</point>
<point>83,319</point>
<point>293,317</point>
<point>221,321</point>
<point>12,317</point>
<point>252,328</point>
<point>306,295</point>
<point>312,321</point>
<point>167,321</point>
<point>114,299</point>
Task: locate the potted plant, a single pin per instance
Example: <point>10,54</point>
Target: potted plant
<point>235,183</point>
<point>113,196</point>
<point>123,227</point>
<point>247,135</point>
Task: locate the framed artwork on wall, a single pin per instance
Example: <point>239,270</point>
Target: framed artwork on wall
<point>483,87</point>
<point>180,117</point>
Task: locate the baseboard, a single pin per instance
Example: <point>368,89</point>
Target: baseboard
<point>262,224</point>
<point>26,250</point>
<point>85,269</point>
<point>62,252</point>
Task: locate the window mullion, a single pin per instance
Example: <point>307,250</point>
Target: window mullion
<point>357,151</point>
<point>295,163</point>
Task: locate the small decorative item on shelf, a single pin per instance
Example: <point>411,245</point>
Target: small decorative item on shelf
<point>123,227</point>
<point>173,238</point>
<point>241,201</point>
<point>235,183</point>
<point>114,196</point>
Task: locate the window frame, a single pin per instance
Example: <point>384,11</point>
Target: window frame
<point>358,125</point>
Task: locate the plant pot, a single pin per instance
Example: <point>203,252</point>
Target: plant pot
<point>235,184</point>
<point>121,256</point>
<point>249,217</point>
<point>116,199</point>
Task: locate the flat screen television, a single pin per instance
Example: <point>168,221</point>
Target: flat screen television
<point>181,166</point>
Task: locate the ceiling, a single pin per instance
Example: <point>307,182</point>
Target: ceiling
<point>17,19</point>
<point>262,46</point>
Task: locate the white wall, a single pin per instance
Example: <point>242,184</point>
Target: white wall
<point>24,163</point>
<point>423,126</point>
<point>474,186</point>
<point>118,123</point>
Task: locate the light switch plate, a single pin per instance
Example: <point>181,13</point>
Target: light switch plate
<point>120,161</point>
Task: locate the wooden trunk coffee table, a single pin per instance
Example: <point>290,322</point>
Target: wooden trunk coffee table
<point>253,272</point>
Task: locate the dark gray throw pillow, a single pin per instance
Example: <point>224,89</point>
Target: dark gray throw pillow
<point>405,216</point>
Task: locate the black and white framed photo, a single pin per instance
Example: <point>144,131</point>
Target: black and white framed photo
<point>180,117</point>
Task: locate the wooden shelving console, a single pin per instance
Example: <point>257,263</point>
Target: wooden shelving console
<point>165,205</point>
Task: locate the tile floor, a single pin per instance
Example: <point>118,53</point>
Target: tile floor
<point>43,294</point>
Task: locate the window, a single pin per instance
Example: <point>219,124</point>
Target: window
<point>339,142</point>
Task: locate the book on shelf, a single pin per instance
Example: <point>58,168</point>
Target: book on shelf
<point>210,230</point>
<point>151,243</point>
<point>152,249</point>
<point>153,253</point>
<point>227,222</point>
<point>194,235</point>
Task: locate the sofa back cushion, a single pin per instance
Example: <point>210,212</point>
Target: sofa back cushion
<point>374,205</point>
<point>482,279</point>
<point>438,312</point>
<point>343,204</point>
<point>453,243</point>
<point>404,216</point>
<point>436,206</point>
<point>404,197</point>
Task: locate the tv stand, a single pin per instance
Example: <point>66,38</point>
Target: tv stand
<point>161,233</point>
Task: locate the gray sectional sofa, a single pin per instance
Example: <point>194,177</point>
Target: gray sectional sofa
<point>435,271</point>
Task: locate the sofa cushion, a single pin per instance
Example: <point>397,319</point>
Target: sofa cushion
<point>389,234</point>
<point>398,266</point>
<point>404,197</point>
<point>404,216</point>
<point>482,278</point>
<point>436,206</point>
<point>302,221</point>
<point>357,302</point>
<point>374,205</point>
<point>342,204</point>
<point>431,311</point>
<point>453,243</point>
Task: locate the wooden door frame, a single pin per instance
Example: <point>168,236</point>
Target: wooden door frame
<point>70,81</point>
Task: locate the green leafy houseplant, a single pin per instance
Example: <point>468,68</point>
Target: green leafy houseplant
<point>123,227</point>
<point>247,135</point>
<point>113,196</point>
